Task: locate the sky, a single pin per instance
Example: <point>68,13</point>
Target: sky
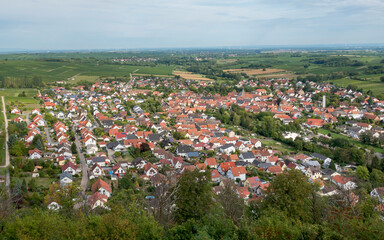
<point>128,24</point>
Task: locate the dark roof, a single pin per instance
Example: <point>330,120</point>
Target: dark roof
<point>328,171</point>
<point>130,136</point>
<point>154,137</point>
<point>319,156</point>
<point>247,155</point>
<point>111,145</point>
<point>65,174</point>
<point>98,159</point>
<point>225,146</point>
<point>240,163</point>
<point>183,149</point>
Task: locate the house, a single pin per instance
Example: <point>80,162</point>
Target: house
<point>227,148</point>
<point>211,162</point>
<point>237,173</point>
<point>177,162</point>
<point>344,182</point>
<point>183,150</point>
<point>215,176</point>
<point>69,167</point>
<point>102,187</point>
<point>36,111</point>
<point>15,111</point>
<point>97,200</point>
<point>313,173</point>
<point>96,171</point>
<point>247,157</point>
<point>118,170</point>
<point>321,157</point>
<point>275,170</point>
<point>225,166</point>
<point>243,192</point>
<point>328,173</point>
<point>65,178</point>
<point>138,163</point>
<point>252,182</point>
<point>378,193</point>
<point>158,179</point>
<point>35,154</point>
<point>314,123</point>
<point>150,169</point>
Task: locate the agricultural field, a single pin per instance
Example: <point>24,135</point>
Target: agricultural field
<point>371,83</point>
<point>64,70</point>
<point>26,103</point>
<point>251,72</point>
<point>193,76</point>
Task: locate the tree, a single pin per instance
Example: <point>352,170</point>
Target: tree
<point>18,149</point>
<point>332,165</point>
<point>362,173</point>
<point>291,193</point>
<point>179,135</point>
<point>382,78</point>
<point>74,148</point>
<point>233,206</point>
<point>193,195</point>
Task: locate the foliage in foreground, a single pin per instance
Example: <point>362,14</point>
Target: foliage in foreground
<point>291,210</point>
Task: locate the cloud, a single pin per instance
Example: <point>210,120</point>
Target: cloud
<point>75,24</point>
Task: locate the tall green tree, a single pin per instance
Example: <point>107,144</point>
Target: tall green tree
<point>193,195</point>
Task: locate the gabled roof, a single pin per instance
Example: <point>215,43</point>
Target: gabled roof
<point>100,184</point>
<point>225,166</point>
<point>67,165</point>
<point>97,196</point>
<point>237,171</point>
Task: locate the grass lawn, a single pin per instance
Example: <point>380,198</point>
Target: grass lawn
<point>45,182</point>
<point>277,145</point>
<point>351,140</point>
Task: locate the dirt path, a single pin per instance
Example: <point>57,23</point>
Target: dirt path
<point>8,178</point>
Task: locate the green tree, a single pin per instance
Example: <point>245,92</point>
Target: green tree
<point>291,193</point>
<point>362,173</point>
<point>193,195</point>
<point>74,148</point>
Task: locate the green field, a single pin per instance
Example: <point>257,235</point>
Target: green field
<point>12,98</point>
<point>372,83</point>
<point>351,140</point>
<point>45,182</point>
<point>277,145</point>
<point>63,70</point>
<point>13,92</point>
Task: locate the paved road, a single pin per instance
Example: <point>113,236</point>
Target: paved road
<point>48,135</point>
<point>27,118</point>
<point>84,166</point>
<point>8,178</point>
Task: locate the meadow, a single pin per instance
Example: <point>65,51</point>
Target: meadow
<point>12,99</point>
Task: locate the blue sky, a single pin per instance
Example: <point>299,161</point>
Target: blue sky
<point>122,24</point>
